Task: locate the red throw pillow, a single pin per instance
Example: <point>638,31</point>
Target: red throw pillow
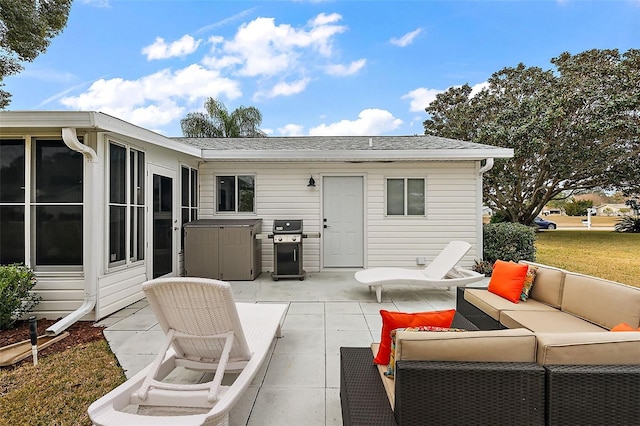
<point>623,326</point>
<point>393,320</point>
<point>507,279</point>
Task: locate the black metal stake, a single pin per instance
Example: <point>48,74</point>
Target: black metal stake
<point>33,334</point>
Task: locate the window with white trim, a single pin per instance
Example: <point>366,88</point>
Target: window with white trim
<point>56,204</point>
<point>235,194</point>
<point>406,196</point>
<point>126,205</point>
<point>189,197</point>
<point>48,211</point>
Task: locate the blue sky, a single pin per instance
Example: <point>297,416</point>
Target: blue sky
<point>311,67</point>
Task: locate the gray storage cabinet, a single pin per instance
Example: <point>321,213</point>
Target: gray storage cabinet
<point>223,249</point>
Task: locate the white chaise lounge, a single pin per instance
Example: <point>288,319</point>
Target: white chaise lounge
<point>441,272</point>
<point>205,331</point>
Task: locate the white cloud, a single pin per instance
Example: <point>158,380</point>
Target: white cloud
<point>262,48</point>
<point>155,115</point>
<point>477,88</point>
<point>420,98</point>
<point>369,122</point>
<point>291,130</point>
<point>341,70</point>
<point>59,95</point>
<point>324,19</point>
<point>180,48</point>
<point>406,39</point>
<point>279,59</point>
<point>153,100</point>
<point>284,89</point>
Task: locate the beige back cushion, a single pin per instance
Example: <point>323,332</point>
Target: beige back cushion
<point>602,302</point>
<point>607,347</point>
<point>517,345</point>
<point>547,287</point>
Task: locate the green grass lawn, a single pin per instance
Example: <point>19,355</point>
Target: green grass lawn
<point>60,388</point>
<point>610,255</point>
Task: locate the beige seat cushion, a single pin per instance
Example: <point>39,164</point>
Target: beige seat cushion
<point>617,348</point>
<point>492,304</point>
<point>518,345</point>
<point>603,302</point>
<point>547,322</point>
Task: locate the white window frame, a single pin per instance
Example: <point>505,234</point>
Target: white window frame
<point>130,235</point>
<point>237,194</point>
<point>192,204</point>
<point>405,207</point>
<point>32,206</point>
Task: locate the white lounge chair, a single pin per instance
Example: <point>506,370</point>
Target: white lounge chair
<point>442,272</point>
<point>205,331</point>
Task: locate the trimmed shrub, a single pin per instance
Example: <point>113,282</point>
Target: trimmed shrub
<point>16,298</point>
<point>508,241</point>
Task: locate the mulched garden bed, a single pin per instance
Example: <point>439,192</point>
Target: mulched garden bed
<point>79,333</point>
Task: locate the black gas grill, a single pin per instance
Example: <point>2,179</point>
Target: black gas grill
<point>287,249</point>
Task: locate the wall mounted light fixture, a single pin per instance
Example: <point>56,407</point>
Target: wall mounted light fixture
<point>312,182</point>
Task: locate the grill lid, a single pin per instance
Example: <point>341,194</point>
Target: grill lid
<point>283,226</point>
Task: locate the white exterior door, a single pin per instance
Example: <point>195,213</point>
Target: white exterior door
<point>343,221</point>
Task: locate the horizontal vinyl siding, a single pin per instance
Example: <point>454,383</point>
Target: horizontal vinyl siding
<point>281,193</point>
<point>119,289</point>
<point>450,215</point>
<point>61,294</point>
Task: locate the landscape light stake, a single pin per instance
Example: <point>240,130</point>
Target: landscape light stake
<point>33,334</point>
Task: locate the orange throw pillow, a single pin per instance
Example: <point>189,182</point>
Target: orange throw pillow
<point>623,326</point>
<point>507,279</point>
<point>393,320</point>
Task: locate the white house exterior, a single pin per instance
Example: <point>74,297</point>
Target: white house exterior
<point>83,202</point>
<point>613,210</point>
<point>95,204</point>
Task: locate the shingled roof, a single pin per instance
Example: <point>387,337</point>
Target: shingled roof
<point>345,148</point>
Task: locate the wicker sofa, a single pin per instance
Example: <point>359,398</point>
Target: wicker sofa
<point>550,360</point>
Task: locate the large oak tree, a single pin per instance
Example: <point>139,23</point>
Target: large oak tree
<point>575,127</point>
<point>26,30</point>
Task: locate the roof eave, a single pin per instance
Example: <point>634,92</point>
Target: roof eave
<point>91,121</point>
<point>357,156</point>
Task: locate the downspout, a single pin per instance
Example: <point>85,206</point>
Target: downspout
<point>480,238</point>
<point>70,139</point>
<point>487,166</point>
